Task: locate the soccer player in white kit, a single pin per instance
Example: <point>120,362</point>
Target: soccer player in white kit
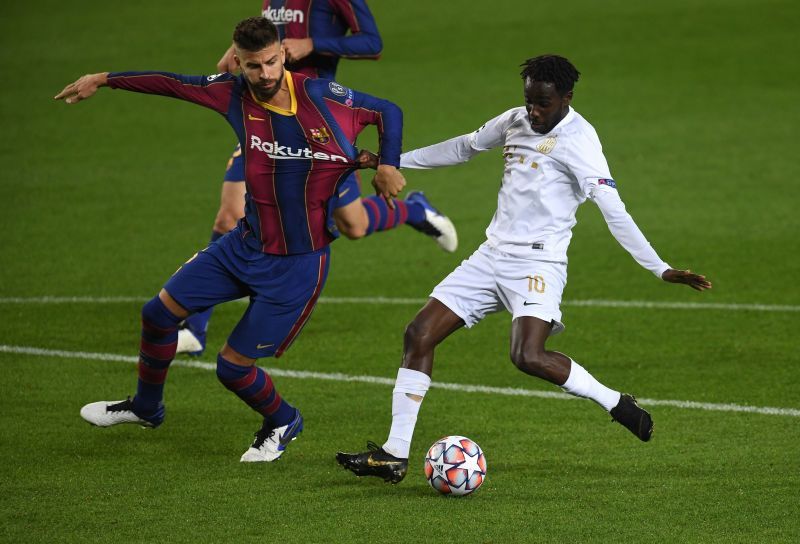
<point>553,163</point>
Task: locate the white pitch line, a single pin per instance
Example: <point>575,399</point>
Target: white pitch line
<point>464,388</point>
<point>597,303</point>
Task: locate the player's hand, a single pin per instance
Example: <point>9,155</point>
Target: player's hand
<point>297,49</point>
<point>695,281</point>
<point>83,88</point>
<point>388,182</point>
<point>227,63</point>
<point>367,159</point>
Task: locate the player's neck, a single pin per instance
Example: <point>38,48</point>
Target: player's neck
<point>283,98</point>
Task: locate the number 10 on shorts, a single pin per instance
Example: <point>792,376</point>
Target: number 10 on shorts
<point>535,283</point>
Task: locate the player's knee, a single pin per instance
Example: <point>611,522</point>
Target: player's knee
<point>418,337</point>
<point>530,361</point>
<point>228,372</point>
<point>155,313</point>
<point>351,231</point>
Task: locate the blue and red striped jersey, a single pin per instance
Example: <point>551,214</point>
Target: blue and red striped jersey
<point>294,159</point>
<point>327,23</point>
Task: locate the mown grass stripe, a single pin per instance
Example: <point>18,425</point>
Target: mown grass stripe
<point>598,303</point>
<point>463,388</point>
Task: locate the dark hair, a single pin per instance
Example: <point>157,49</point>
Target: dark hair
<point>254,34</point>
<point>551,69</point>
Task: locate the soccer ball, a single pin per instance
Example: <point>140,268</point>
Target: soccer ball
<point>455,465</point>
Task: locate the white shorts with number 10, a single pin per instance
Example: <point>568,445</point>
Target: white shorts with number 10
<point>490,281</point>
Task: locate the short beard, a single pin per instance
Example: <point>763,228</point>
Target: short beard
<point>265,95</point>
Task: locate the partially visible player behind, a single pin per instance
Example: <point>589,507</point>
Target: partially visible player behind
<point>315,36</point>
<point>553,163</point>
<point>278,255</point>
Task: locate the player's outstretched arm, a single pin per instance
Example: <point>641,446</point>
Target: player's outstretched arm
<point>83,88</point>
<point>695,281</point>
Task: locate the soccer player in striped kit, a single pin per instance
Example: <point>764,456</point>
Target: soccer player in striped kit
<point>297,137</point>
<point>553,163</point>
<point>315,35</point>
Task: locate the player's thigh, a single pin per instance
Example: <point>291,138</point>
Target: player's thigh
<point>204,281</point>
<point>285,293</point>
<point>533,289</point>
<point>470,291</point>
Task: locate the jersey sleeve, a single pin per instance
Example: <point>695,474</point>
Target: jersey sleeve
<point>213,92</point>
<point>587,163</point>
<point>354,111</point>
<point>461,148</point>
<point>364,40</point>
<point>625,230</point>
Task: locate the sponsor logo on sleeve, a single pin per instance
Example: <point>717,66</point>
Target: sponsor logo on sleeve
<point>337,89</point>
<point>212,78</point>
<point>610,182</point>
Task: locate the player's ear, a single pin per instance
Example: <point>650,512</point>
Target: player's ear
<point>237,60</point>
<point>566,100</point>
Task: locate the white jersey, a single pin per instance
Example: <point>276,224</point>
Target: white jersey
<point>546,178</point>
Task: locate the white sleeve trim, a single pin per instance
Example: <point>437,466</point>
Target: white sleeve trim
<point>624,229</point>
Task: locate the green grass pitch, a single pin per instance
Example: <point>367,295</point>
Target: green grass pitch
<point>696,105</point>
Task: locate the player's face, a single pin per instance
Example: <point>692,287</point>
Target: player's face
<point>263,69</point>
<point>545,106</point>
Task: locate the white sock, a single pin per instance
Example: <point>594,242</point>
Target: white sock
<point>405,410</point>
<point>582,384</point>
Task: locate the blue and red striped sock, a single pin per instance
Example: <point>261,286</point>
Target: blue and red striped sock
<point>255,387</point>
<point>381,217</point>
<point>156,351</point>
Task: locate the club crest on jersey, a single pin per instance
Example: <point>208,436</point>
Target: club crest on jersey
<point>320,135</point>
<point>547,145</point>
<point>337,89</point>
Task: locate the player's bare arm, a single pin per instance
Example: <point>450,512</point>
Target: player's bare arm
<point>298,49</point>
<point>388,183</point>
<point>227,63</point>
<point>83,88</point>
<point>695,281</point>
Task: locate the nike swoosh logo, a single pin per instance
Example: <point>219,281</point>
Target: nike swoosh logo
<point>526,303</point>
<point>287,437</point>
<point>264,346</point>
<point>250,117</point>
<point>344,192</point>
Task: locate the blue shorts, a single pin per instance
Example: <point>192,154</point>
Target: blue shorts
<point>349,190</point>
<point>283,291</point>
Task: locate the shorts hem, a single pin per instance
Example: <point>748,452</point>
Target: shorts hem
<point>447,301</point>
